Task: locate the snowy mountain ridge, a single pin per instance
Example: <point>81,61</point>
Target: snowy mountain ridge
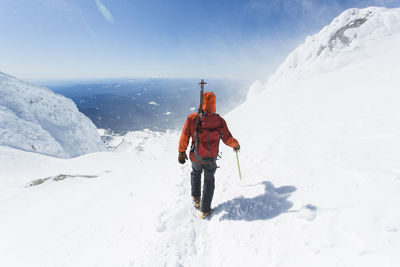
<point>33,118</point>
<point>332,48</point>
<point>352,30</point>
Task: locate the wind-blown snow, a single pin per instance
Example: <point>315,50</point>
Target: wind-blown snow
<point>35,119</point>
<point>320,187</point>
<point>337,44</point>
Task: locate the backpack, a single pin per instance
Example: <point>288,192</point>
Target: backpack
<point>207,135</point>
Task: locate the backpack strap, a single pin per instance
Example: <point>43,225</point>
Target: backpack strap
<point>196,136</point>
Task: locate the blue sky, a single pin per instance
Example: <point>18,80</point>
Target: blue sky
<point>84,39</point>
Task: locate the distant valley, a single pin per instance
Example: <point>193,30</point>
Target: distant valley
<point>155,104</point>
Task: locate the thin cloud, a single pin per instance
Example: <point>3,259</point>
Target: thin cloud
<point>104,11</point>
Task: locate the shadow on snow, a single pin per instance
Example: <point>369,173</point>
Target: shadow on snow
<point>263,207</point>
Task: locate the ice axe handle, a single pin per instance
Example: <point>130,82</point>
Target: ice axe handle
<point>237,159</point>
<point>202,83</point>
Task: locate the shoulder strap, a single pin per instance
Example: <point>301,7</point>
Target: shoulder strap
<point>196,128</point>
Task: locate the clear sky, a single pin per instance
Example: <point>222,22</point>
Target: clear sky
<point>70,39</point>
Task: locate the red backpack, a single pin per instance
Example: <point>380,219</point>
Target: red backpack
<point>207,136</point>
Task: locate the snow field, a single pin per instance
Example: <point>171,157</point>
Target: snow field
<point>137,212</point>
<point>105,221</point>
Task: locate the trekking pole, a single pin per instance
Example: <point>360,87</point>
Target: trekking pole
<point>237,159</point>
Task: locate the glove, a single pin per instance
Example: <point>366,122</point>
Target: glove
<point>236,148</point>
<point>182,157</point>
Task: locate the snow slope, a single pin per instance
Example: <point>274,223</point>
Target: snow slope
<point>33,118</point>
<point>337,45</point>
<point>329,123</point>
<point>320,183</point>
<point>129,208</point>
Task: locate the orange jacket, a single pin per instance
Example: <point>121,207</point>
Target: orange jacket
<point>209,101</point>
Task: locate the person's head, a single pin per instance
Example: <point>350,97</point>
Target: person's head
<point>209,102</point>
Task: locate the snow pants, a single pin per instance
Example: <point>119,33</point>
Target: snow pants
<point>209,183</point>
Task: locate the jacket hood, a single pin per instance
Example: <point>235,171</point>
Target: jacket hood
<point>209,102</point>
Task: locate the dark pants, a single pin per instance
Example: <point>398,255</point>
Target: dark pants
<point>209,183</point>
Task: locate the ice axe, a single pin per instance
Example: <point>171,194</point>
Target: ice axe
<point>237,159</point>
<point>202,83</point>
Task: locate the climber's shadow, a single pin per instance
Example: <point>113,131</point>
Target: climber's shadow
<point>263,207</point>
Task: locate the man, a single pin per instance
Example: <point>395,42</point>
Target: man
<point>205,129</point>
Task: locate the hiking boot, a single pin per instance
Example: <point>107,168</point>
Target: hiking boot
<point>205,214</point>
<point>196,202</point>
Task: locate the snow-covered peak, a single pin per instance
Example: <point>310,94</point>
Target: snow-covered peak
<point>33,118</point>
<point>342,82</point>
<point>327,50</point>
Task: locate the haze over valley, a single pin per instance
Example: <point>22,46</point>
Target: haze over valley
<point>154,104</point>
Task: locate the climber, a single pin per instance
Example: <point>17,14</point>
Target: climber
<point>205,128</point>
